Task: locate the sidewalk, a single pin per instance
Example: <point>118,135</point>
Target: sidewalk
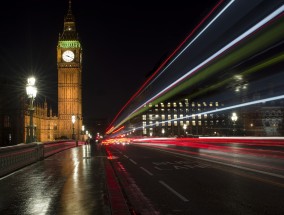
<point>74,181</point>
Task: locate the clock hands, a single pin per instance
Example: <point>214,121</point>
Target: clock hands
<point>70,57</point>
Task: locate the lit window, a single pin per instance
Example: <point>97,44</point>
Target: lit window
<point>193,123</point>
<point>175,116</point>
<point>174,104</point>
<point>199,122</point>
<point>163,117</point>
<point>175,123</point>
<point>144,117</point>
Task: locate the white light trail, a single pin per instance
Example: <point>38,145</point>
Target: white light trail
<point>194,39</point>
<point>222,50</point>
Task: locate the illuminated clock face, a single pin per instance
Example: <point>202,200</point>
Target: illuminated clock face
<point>68,56</point>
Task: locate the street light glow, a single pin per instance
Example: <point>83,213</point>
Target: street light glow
<point>234,117</point>
<point>73,119</point>
<point>31,90</point>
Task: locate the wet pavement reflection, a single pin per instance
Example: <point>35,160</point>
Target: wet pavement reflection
<point>70,182</point>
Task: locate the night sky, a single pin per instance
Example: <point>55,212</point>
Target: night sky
<point>122,43</point>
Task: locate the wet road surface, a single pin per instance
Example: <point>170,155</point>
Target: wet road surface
<point>70,182</point>
<point>163,181</point>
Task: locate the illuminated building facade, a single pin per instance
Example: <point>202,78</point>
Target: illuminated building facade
<point>183,118</point>
<point>192,118</point>
<point>69,65</point>
<point>46,128</point>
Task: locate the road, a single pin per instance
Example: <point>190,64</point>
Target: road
<point>163,179</point>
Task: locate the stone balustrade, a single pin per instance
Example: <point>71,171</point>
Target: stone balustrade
<point>18,156</point>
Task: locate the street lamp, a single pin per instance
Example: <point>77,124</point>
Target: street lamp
<point>83,132</point>
<point>163,131</point>
<point>234,118</point>
<point>184,128</point>
<point>31,92</point>
<point>73,119</point>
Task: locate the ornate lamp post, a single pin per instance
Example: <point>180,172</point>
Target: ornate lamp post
<point>31,92</point>
<point>234,118</point>
<point>73,119</point>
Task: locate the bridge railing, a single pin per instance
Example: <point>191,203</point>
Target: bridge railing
<point>18,156</point>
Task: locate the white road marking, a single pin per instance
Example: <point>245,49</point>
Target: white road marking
<point>133,161</point>
<point>225,164</point>
<point>147,171</point>
<point>125,156</point>
<point>174,192</point>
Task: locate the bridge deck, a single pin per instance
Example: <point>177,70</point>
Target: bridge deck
<point>74,181</point>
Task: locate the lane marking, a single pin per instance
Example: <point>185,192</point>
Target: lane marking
<point>133,161</point>
<point>125,156</point>
<point>225,164</point>
<point>147,171</point>
<point>174,192</point>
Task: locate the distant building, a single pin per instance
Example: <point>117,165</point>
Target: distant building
<point>182,118</point>
<point>202,118</point>
<point>12,129</point>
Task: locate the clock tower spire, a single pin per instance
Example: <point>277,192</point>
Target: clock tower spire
<point>69,66</point>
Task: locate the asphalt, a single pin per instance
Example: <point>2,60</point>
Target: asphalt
<point>80,180</point>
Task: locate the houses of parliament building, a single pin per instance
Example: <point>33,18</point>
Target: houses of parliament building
<point>15,115</point>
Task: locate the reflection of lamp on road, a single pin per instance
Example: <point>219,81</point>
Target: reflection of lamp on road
<point>73,118</point>
<point>234,118</point>
<point>31,92</point>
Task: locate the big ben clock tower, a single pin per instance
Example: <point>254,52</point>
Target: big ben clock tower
<point>69,65</point>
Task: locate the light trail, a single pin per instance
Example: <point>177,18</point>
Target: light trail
<point>250,31</point>
<point>225,48</point>
<point>164,63</point>
<point>195,38</point>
